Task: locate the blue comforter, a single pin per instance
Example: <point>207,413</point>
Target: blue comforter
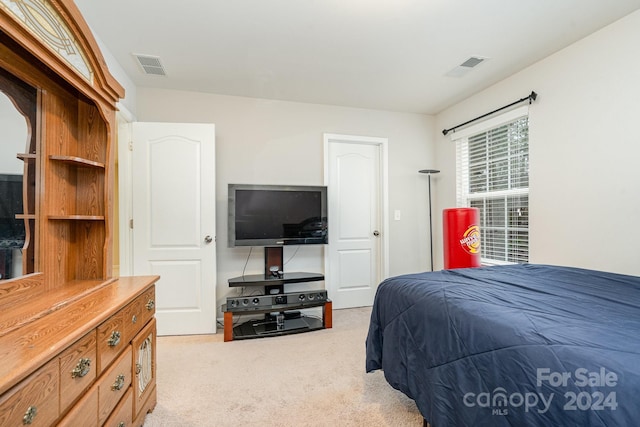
<point>517,345</point>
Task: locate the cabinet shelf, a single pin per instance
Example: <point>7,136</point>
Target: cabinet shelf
<point>266,328</point>
<point>77,217</point>
<point>26,156</point>
<point>262,280</point>
<point>25,216</point>
<point>77,161</point>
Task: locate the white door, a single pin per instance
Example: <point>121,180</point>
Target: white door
<point>174,222</point>
<point>354,178</point>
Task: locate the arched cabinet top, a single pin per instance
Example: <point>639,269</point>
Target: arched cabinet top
<point>55,32</point>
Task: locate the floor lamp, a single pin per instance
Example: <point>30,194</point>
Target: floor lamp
<point>430,172</point>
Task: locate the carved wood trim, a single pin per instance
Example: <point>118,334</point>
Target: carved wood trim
<point>105,90</point>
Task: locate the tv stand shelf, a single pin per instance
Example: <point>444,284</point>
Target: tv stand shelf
<point>264,280</point>
<point>269,325</point>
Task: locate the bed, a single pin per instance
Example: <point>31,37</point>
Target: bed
<point>511,345</point>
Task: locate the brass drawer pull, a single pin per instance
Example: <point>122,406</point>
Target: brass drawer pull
<point>138,368</point>
<point>117,386</point>
<point>114,340</point>
<point>150,305</point>
<point>121,424</point>
<point>82,368</point>
<point>134,319</point>
<point>31,413</point>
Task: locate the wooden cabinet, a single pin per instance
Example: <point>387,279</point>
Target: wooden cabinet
<point>62,350</point>
<point>71,334</point>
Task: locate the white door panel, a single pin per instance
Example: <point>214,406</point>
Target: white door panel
<point>188,274</point>
<point>354,267</point>
<point>354,179</point>
<point>174,213</point>
<point>355,192</point>
<point>184,202</point>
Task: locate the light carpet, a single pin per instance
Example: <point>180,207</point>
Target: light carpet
<point>309,379</point>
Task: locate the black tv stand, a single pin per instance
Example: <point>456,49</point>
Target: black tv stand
<point>283,323</point>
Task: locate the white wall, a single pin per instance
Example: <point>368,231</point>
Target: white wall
<point>128,103</point>
<point>584,150</point>
<point>275,142</point>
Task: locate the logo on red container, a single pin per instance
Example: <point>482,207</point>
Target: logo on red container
<point>471,240</point>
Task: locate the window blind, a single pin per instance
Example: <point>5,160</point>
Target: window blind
<point>493,176</point>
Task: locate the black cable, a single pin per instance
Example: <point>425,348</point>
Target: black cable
<point>247,261</point>
<point>291,257</point>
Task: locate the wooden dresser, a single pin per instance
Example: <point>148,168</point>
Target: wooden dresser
<point>88,360</point>
<point>77,345</point>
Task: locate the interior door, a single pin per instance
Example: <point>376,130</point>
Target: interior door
<point>174,222</point>
<point>354,179</point>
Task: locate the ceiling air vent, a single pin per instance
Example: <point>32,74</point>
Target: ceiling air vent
<point>150,65</point>
<point>466,66</point>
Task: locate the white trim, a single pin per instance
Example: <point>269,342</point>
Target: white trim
<point>490,123</point>
<point>489,262</point>
<point>123,113</point>
<point>383,143</point>
<point>124,120</point>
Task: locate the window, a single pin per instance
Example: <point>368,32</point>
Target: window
<point>493,176</point>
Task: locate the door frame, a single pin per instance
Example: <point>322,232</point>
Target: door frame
<point>382,144</point>
<point>124,119</point>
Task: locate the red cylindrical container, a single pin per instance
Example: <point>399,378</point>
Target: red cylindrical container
<point>461,237</point>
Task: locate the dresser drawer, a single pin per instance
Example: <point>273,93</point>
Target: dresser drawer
<point>139,312</point>
<point>122,416</point>
<point>34,401</point>
<point>112,339</point>
<point>84,413</point>
<point>113,384</point>
<point>77,369</point>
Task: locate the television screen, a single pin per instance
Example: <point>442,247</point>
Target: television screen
<point>11,229</point>
<point>271,215</point>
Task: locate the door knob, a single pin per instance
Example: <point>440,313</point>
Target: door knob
<point>376,233</point>
<point>208,239</point>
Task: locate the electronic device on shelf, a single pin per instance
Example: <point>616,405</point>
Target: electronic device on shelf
<point>276,215</point>
<point>276,302</point>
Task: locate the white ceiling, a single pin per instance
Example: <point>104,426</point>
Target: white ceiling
<point>378,54</point>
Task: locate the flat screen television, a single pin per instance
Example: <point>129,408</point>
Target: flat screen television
<point>274,215</point>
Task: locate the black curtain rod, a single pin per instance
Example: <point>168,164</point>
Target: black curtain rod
<point>532,97</point>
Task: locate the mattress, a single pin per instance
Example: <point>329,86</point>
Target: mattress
<point>511,345</point>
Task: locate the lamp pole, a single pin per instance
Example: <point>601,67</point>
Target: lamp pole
<point>430,172</point>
